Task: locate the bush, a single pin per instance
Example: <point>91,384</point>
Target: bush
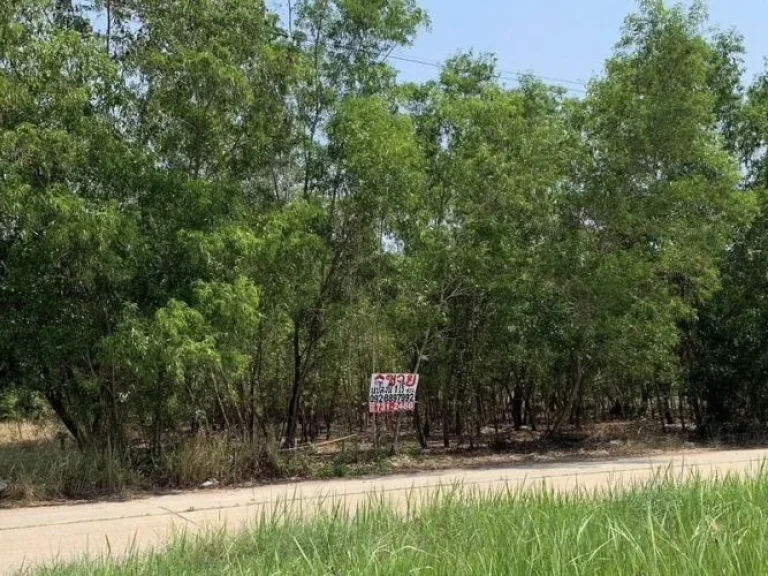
<point>18,405</point>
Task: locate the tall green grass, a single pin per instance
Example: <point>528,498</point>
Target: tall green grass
<point>44,470</point>
<point>697,528</point>
<point>40,467</point>
<point>49,473</point>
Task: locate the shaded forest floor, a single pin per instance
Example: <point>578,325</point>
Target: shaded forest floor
<point>40,466</point>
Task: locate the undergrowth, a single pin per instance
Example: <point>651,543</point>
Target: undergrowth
<point>40,464</point>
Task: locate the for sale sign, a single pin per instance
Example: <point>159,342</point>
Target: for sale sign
<point>393,393</point>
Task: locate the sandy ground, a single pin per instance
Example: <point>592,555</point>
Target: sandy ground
<point>31,536</point>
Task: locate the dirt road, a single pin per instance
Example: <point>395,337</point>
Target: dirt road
<point>32,536</point>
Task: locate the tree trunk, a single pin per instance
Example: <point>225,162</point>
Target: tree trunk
<point>579,407</point>
<point>328,421</point>
<point>420,433</point>
<point>416,366</point>
<point>577,381</point>
<point>478,415</point>
<point>445,418</point>
<point>66,418</point>
<point>668,409</point>
<point>530,406</point>
<point>517,406</point>
<point>681,410</point>
<point>255,378</point>
<point>660,406</point>
<point>396,437</point>
<point>289,439</point>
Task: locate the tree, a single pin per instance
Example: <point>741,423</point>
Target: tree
<point>218,217</point>
<point>66,242</point>
<point>341,61</point>
<point>661,202</point>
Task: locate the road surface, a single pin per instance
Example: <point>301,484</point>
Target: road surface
<point>33,536</point>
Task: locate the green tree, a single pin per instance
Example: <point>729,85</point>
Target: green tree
<point>66,239</point>
<point>660,202</point>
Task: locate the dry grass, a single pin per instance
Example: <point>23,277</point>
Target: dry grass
<point>40,464</point>
<point>593,442</point>
<point>23,433</point>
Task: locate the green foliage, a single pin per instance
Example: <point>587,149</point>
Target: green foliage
<point>215,218</point>
<point>190,349</point>
<point>19,405</point>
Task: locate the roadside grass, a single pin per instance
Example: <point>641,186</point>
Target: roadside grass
<point>38,466</point>
<point>665,528</point>
<point>41,464</point>
<point>45,470</point>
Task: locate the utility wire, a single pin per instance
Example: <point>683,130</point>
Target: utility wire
<point>503,74</point>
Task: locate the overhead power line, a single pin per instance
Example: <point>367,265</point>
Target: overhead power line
<point>504,74</point>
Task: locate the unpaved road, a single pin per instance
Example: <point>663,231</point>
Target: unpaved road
<point>31,536</point>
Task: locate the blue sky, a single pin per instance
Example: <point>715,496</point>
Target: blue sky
<point>568,39</point>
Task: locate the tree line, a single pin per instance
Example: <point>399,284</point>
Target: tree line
<point>220,216</point>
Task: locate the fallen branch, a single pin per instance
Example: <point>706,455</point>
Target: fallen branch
<point>326,443</point>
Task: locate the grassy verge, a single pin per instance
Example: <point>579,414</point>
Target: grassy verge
<point>38,466</point>
<point>697,528</point>
<point>42,464</point>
